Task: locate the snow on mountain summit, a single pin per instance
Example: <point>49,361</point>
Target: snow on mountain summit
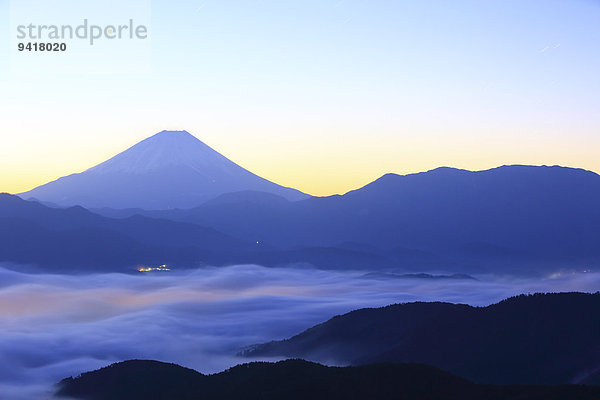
<point>171,169</point>
<point>167,148</point>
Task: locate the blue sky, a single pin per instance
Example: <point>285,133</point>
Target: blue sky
<point>326,96</point>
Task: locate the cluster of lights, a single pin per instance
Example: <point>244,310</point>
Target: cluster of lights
<point>559,274</point>
<point>148,269</point>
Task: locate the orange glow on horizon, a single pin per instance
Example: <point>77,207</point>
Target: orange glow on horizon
<point>319,168</point>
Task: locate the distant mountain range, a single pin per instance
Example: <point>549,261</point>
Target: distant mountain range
<point>508,220</point>
<point>297,380</point>
<point>537,339</point>
<point>171,169</point>
<point>77,240</point>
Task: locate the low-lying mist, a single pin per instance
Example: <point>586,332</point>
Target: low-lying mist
<point>54,326</point>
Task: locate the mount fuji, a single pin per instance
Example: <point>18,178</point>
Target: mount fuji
<point>172,169</point>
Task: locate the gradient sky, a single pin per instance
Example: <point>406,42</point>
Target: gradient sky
<point>326,96</point>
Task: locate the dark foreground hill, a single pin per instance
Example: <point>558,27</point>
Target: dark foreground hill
<point>297,379</point>
<point>536,339</point>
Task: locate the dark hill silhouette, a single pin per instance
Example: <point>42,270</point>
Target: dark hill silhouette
<point>507,219</point>
<point>77,240</point>
<point>537,339</point>
<point>297,379</point>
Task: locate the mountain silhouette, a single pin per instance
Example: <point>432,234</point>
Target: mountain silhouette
<point>171,169</point>
<point>509,219</point>
<point>297,380</point>
<point>76,240</point>
<point>535,339</point>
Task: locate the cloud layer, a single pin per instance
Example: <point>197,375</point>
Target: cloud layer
<point>53,326</point>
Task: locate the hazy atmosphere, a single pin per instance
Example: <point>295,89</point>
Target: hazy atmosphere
<point>64,325</point>
<point>208,183</point>
<point>322,96</point>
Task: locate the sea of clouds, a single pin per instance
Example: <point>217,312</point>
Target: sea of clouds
<point>54,326</point>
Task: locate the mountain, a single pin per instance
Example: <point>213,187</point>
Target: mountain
<point>510,219</point>
<point>171,169</point>
<point>536,339</point>
<point>297,379</point>
<point>75,239</point>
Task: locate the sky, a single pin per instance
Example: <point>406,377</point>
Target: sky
<point>324,96</point>
<point>55,326</point>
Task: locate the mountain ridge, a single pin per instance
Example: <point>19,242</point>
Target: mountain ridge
<point>297,380</point>
<point>506,219</point>
<point>528,339</point>
<point>171,169</point>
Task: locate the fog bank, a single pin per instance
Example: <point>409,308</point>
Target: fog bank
<point>54,326</point>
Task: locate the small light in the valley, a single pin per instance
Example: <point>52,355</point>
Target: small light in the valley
<point>148,269</point>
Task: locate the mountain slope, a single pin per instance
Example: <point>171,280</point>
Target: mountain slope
<point>75,239</point>
<point>296,379</point>
<point>509,219</point>
<point>171,169</point>
<point>539,339</point>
